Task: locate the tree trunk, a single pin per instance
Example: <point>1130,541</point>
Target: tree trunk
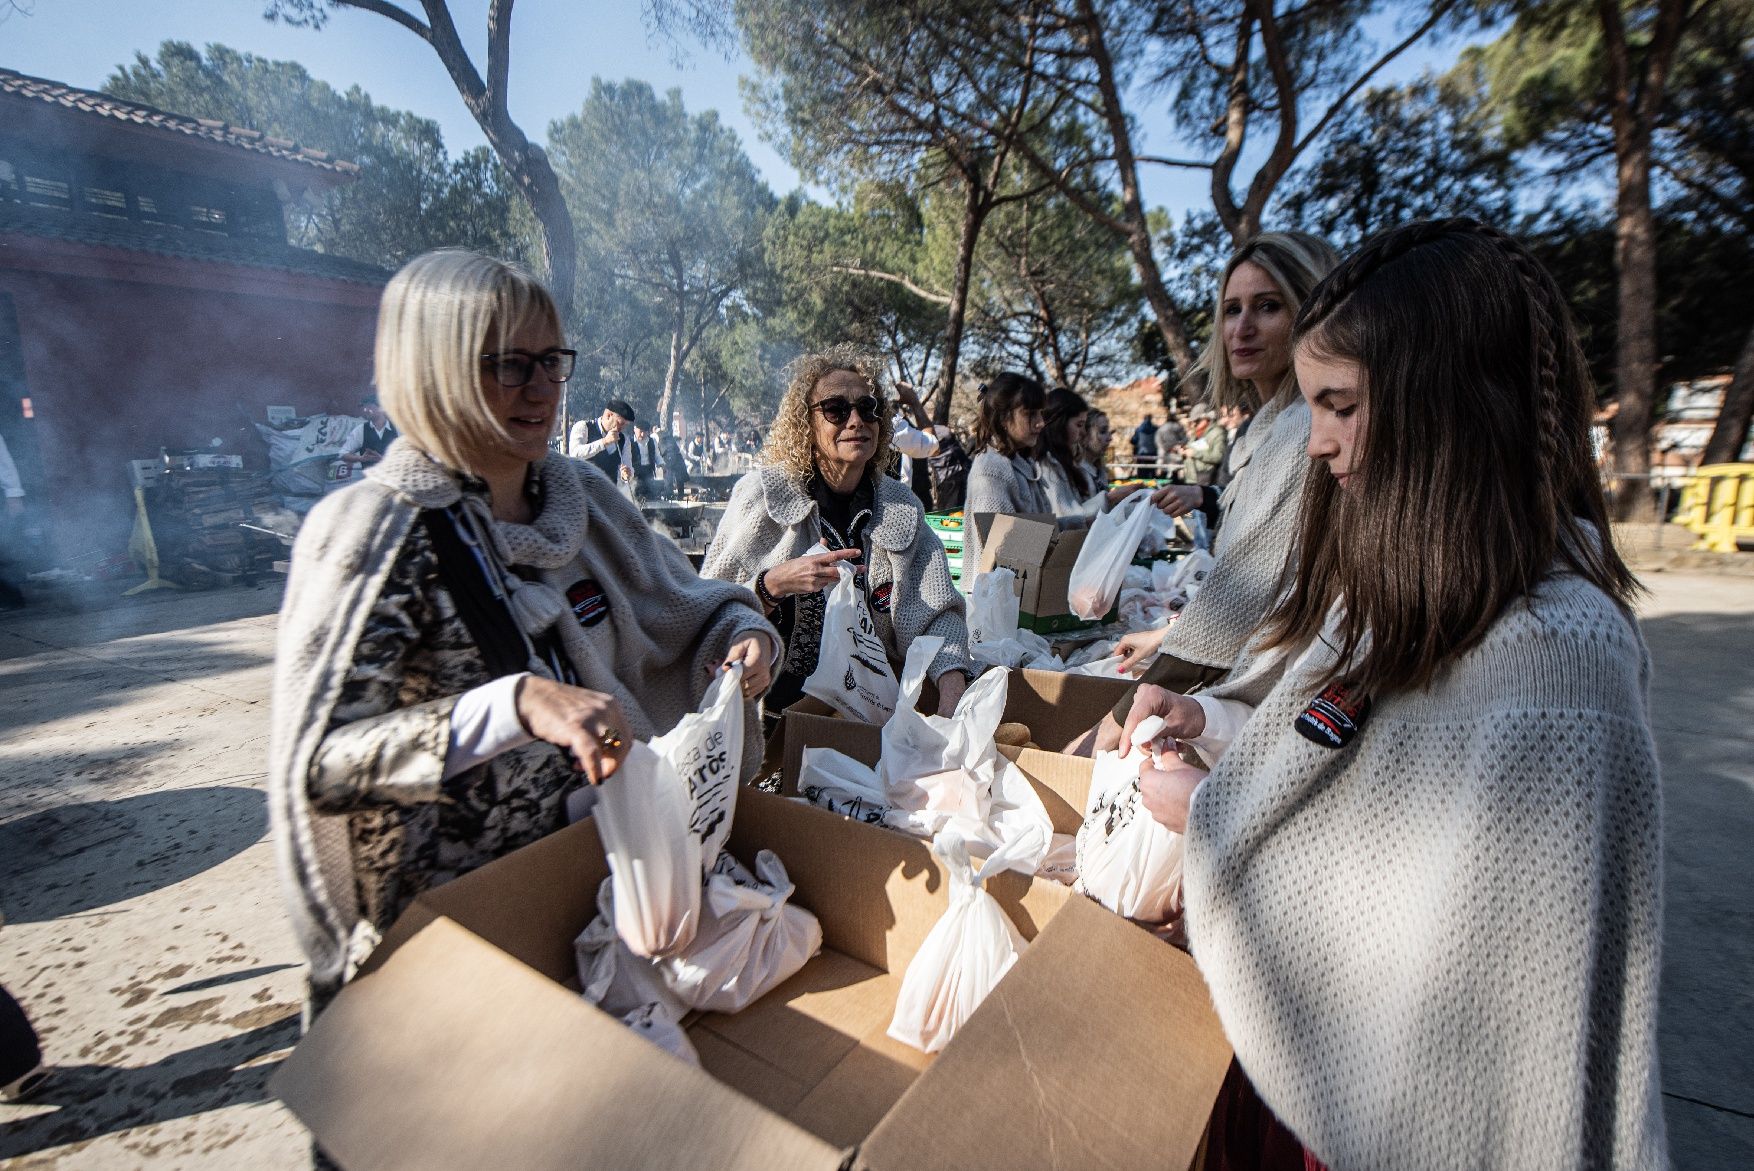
<point>974,213</point>
<point>1635,341</point>
<point>677,356</point>
<point>1730,432</point>
<point>1169,319</point>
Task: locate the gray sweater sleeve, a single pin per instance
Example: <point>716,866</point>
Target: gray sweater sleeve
<point>992,487</point>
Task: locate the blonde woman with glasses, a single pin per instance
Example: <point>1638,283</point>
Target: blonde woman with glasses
<point>476,629</point>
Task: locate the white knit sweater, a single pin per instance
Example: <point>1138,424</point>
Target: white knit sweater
<point>1258,526</point>
<point>1009,485</point>
<point>1438,946</point>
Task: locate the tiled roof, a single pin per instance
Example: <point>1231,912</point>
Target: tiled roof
<point>166,240</point>
<point>99,105</point>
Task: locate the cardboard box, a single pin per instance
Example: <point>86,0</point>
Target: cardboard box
<point>1041,554</point>
<point>461,1045</point>
<point>1056,707</point>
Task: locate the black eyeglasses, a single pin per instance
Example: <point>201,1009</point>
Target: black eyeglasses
<point>838,410</point>
<point>514,368</point>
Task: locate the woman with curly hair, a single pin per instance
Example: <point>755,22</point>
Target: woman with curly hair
<point>821,482</point>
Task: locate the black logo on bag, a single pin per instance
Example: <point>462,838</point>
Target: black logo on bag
<point>849,682</point>
<point>589,604</point>
<point>1333,718</point>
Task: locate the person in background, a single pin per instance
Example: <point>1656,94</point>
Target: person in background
<point>603,441</point>
<point>675,465</point>
<point>915,437</point>
<point>11,529</point>
<point>1378,805</point>
<point>1097,438</point>
<point>1259,292</point>
<point>1145,447</point>
<point>697,455</point>
<point>1004,478</point>
<point>647,463</point>
<point>1203,454</point>
<point>821,483</point>
<point>379,431</point>
<point>1071,490</point>
<point>949,467</point>
<point>475,629</point>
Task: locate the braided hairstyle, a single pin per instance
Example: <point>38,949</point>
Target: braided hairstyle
<point>1472,474</point>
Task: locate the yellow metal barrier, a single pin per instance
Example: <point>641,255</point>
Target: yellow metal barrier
<point>1717,505</point>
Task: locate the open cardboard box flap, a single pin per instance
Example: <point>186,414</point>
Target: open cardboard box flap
<point>461,1044</point>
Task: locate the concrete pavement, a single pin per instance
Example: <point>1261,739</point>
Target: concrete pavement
<point>145,937</point>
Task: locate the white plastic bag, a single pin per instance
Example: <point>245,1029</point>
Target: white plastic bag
<point>664,816</point>
<point>1127,860</point>
<point>661,1026</point>
<point>992,607</point>
<point>966,953</point>
<point>937,771</point>
<point>1061,863</point>
<point>1106,553</point>
<point>610,975</point>
<point>751,938</point>
<point>852,675</point>
<point>1025,648</point>
<point>1190,574</point>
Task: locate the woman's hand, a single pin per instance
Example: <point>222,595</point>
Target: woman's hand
<point>1116,495</point>
<point>1183,718</point>
<point>807,574</point>
<point>1166,793</point>
<point>951,685</point>
<point>1135,648</point>
<point>1178,499</point>
<point>755,655</point>
<point>588,724</point>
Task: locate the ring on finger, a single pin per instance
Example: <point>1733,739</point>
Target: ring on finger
<point>609,738</point>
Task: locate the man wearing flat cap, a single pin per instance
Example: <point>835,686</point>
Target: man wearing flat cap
<point>1203,454</point>
<point>605,440</point>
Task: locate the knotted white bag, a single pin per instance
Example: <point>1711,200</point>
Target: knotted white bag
<point>1127,860</point>
<point>966,953</point>
<point>664,815</point>
<point>625,985</point>
<point>751,939</point>
<point>992,607</point>
<point>937,771</point>
<point>852,675</point>
<point>1107,551</point>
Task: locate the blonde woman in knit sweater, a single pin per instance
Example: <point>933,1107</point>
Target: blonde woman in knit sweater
<point>1423,878</point>
<point>1249,362</point>
<point>821,483</point>
<point>475,630</point>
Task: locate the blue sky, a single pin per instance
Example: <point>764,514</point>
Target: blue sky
<point>557,46</point>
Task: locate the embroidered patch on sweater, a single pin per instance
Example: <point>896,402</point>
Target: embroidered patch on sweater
<point>1333,718</point>
<point>589,605</point>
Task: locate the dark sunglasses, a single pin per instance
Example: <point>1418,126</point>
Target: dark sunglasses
<point>514,368</point>
<point>838,410</point>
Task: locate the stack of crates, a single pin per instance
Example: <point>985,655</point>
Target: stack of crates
<point>948,526</point>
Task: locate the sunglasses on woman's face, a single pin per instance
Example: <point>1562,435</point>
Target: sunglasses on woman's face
<point>838,410</point>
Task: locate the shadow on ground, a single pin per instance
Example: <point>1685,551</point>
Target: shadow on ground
<point>61,685</point>
<point>96,1100</point>
<point>1703,711</point>
<point>122,849</point>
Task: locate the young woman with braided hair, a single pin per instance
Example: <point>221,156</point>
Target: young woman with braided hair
<point>1423,876</point>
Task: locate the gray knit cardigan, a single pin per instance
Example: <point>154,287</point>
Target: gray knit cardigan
<point>669,629</point>
<point>1011,485</point>
<point>771,518</point>
<point>1258,525</point>
<point>1437,946</point>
